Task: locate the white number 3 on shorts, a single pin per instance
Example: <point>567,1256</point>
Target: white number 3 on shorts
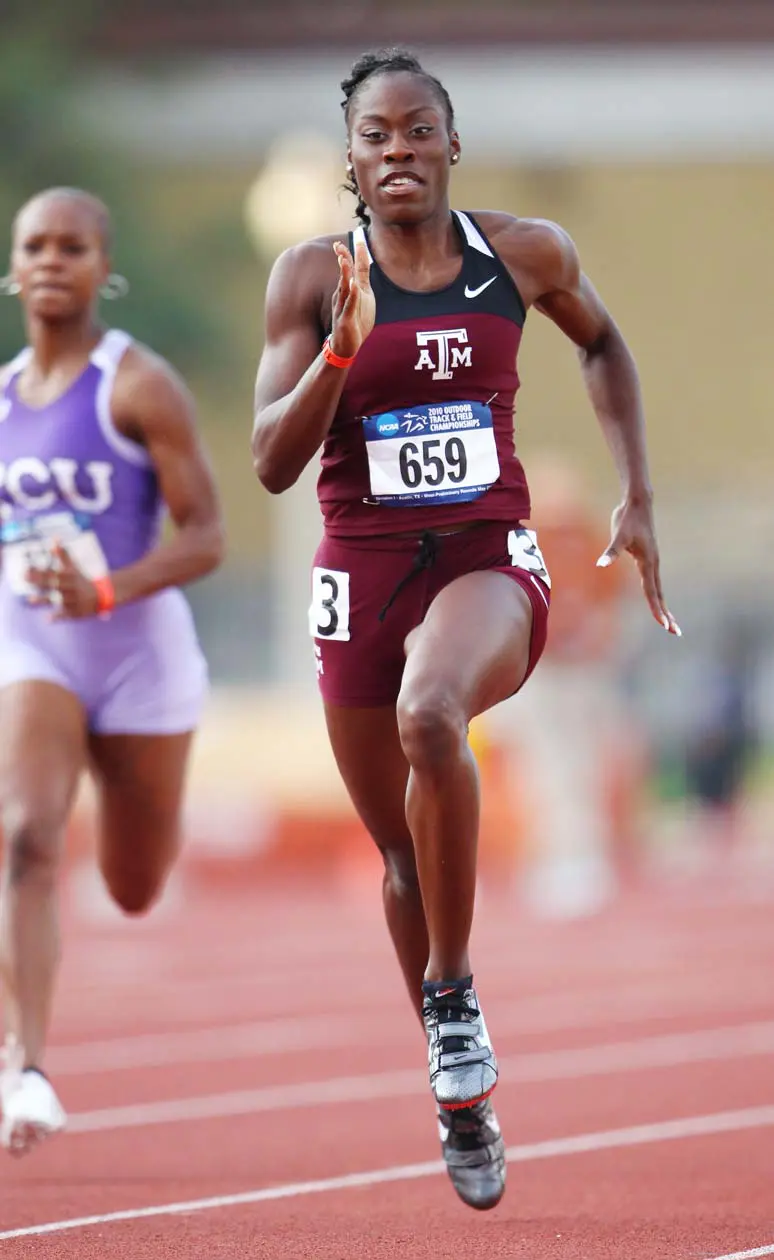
<point>329,611</point>
<point>525,553</point>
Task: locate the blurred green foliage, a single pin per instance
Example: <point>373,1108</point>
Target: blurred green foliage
<point>44,60</point>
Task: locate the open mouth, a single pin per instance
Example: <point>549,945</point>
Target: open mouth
<point>400,180</point>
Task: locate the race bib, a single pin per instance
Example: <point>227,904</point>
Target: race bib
<point>443,453</point>
<point>329,609</point>
<point>29,544</point>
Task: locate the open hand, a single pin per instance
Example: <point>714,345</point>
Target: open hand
<point>64,587</point>
<point>354,304</point>
<point>632,529</point>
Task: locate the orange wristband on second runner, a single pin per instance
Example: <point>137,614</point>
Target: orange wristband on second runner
<point>106,596</point>
<point>335,360</point>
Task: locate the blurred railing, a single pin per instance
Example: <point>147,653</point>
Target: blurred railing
<point>132,27</point>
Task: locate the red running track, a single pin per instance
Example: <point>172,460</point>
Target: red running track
<point>244,1077</point>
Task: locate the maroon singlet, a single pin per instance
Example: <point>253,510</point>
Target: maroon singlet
<point>423,434</point>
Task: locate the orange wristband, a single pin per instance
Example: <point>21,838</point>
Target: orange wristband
<point>106,596</point>
<point>335,360</point>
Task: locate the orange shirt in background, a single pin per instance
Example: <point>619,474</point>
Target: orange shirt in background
<point>585,601</point>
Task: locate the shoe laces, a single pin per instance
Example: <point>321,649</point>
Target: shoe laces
<point>454,1006</point>
<point>457,1008</point>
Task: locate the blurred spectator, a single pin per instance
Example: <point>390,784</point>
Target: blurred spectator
<point>569,745</point>
<point>723,739</point>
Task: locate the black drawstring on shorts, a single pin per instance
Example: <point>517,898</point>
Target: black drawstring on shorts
<point>424,559</point>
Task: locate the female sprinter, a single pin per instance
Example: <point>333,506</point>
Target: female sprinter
<point>99,660</point>
<point>429,596</point>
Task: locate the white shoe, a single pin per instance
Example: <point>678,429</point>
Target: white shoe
<point>31,1109</point>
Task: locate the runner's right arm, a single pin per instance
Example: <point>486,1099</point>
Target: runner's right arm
<point>297,391</point>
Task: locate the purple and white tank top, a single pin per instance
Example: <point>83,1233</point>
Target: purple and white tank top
<point>67,474</point>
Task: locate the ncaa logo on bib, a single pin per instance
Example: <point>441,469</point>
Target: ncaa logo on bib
<point>387,424</point>
<point>441,352</point>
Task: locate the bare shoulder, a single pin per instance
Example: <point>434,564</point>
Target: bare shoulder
<point>313,252</point>
<point>143,369</point>
<point>309,265</point>
<point>301,284</point>
<point>148,392</point>
<point>538,237</point>
<point>540,253</point>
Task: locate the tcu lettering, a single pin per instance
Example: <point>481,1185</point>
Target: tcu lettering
<point>29,483</point>
<point>448,355</point>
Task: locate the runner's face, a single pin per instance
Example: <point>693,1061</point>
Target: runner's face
<point>58,257</point>
<point>401,147</point>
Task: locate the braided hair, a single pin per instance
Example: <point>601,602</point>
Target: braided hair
<point>385,61</point>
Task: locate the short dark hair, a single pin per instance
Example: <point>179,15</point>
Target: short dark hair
<point>390,61</point>
<point>88,200</point>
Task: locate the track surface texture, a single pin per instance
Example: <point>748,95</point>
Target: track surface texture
<point>243,1076</point>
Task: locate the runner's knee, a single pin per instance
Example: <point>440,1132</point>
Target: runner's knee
<point>135,874</point>
<point>432,728</point>
<point>133,895</point>
<point>33,844</point>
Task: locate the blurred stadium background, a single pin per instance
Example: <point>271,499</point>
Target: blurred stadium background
<point>646,129</point>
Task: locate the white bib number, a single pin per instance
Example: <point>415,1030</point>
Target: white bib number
<point>525,554</point>
<point>30,545</point>
<point>445,453</point>
<point>329,610</point>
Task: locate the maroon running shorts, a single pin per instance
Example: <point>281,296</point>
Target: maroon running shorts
<point>369,593</point>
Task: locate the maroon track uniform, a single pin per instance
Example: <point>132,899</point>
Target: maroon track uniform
<point>421,446</point>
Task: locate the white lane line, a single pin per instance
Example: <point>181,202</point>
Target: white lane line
<point>208,1045</point>
<point>578,1144</point>
<point>314,1031</point>
<point>747,1255</point>
<point>746,1041</point>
